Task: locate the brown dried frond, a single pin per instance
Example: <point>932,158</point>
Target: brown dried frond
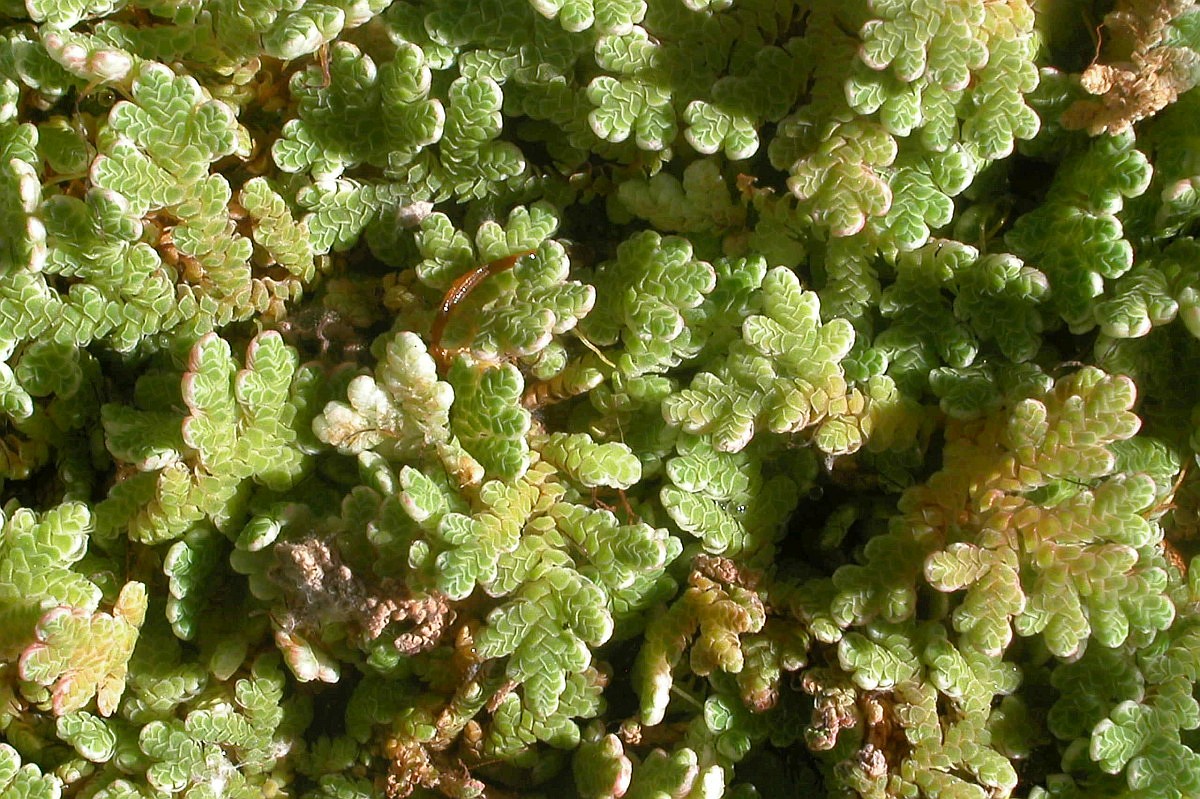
<point>506,688</point>
<point>834,708</point>
<point>885,732</point>
<point>408,769</point>
<point>324,589</point>
<point>726,571</point>
<point>1143,76</point>
<point>412,765</point>
<point>428,617</point>
<point>664,735</point>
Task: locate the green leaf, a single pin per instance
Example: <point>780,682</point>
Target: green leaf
<point>163,141</point>
<point>90,736</point>
<point>487,417</point>
<point>546,631</point>
<point>25,782</point>
<point>591,464</point>
<point>783,376</point>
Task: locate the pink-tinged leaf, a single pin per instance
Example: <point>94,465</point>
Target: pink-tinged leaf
<point>79,654</point>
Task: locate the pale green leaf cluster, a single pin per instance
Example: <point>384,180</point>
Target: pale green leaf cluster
<point>488,418</point>
<point>38,553</point>
<point>62,644</point>
<point>935,91</point>
<point>696,203</point>
<point>461,549</point>
<point>1081,208</point>
<point>590,464</point>
<point>542,650</point>
<point>649,318</point>
<point>25,781</point>
<point>526,305</point>
<point>239,425</point>
<point>222,749</point>
<point>1125,716</point>
<point>783,376</point>
<point>321,142</point>
<point>950,307</point>
<point>725,500</point>
<point>188,565</point>
<point>601,766</point>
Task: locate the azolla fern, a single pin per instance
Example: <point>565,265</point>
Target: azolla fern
<point>599,398</point>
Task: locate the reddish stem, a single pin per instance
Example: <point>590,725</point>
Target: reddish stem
<point>458,292</point>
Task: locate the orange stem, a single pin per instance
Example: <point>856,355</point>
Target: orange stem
<point>458,292</point>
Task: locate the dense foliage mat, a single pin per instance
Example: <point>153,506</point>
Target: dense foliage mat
<point>656,399</point>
